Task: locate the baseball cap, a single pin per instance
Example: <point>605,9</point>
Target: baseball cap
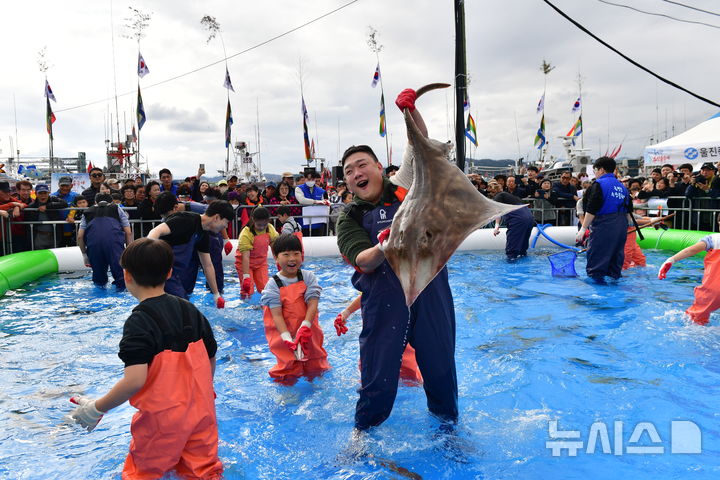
<point>222,182</point>
<point>708,165</point>
<point>41,187</point>
<point>271,184</point>
<point>65,181</point>
<point>4,187</point>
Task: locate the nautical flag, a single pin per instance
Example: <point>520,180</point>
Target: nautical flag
<point>48,91</point>
<point>576,129</point>
<point>383,127</point>
<point>470,131</point>
<point>541,103</point>
<point>306,137</point>
<point>228,125</point>
<point>376,76</point>
<point>49,118</point>
<point>228,83</point>
<point>140,113</point>
<point>142,66</point>
<point>540,137</point>
<point>134,135</point>
<point>466,103</point>
<point>576,107</point>
<point>615,152</point>
<point>312,148</point>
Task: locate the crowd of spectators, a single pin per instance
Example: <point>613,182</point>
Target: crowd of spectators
<point>553,202</point>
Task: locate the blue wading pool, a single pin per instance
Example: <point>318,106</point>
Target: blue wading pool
<point>531,349</point>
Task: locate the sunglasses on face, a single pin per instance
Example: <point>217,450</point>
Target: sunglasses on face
<point>96,175</point>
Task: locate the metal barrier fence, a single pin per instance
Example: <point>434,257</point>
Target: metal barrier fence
<point>691,214</point>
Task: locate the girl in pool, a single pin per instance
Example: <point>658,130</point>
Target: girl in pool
<point>290,302</point>
<point>707,294</point>
<point>252,250</point>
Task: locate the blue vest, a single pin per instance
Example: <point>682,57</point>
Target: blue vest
<point>614,195</point>
<point>317,194</point>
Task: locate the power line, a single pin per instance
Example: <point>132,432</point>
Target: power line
<point>692,8</point>
<point>662,79</point>
<point>658,14</point>
<point>258,45</point>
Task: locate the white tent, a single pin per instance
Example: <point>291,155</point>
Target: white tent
<point>698,145</point>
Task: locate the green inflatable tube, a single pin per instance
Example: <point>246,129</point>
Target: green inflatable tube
<point>20,268</point>
<point>673,240</point>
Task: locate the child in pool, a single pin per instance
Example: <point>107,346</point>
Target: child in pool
<point>251,254</point>
<point>409,369</point>
<point>707,294</point>
<point>168,348</point>
<point>290,301</point>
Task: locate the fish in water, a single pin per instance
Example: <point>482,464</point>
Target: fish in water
<point>440,209</point>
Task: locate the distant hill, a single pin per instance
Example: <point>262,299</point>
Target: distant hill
<point>487,162</point>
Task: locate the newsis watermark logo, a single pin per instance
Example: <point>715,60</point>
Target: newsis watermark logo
<point>685,438</point>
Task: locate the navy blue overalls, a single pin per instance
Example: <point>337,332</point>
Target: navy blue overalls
<point>387,327</point>
<point>105,242</point>
<point>519,225</point>
<point>608,231</point>
<point>185,269</point>
<point>217,242</point>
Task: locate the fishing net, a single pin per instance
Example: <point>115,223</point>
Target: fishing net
<point>563,263</point>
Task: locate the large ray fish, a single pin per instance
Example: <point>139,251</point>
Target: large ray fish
<point>439,211</point>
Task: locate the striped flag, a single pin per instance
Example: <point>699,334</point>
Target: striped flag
<point>48,91</point>
<point>142,66</point>
<point>376,76</point>
<point>140,113</point>
<point>228,125</point>
<point>383,127</point>
<point>576,106</point>
<point>540,137</point>
<point>470,131</point>
<point>306,137</point>
<point>49,118</point>
<point>576,129</point>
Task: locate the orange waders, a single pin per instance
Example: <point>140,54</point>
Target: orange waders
<point>633,253</point>
<point>288,368</point>
<point>707,295</point>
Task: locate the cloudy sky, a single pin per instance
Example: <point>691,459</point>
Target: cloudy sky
<point>507,41</point>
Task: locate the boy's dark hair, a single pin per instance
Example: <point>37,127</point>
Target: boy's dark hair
<point>79,198</point>
<point>358,149</point>
<point>103,197</point>
<point>116,196</point>
<point>345,195</point>
<point>164,170</point>
<point>252,186</point>
<point>165,203</point>
<point>533,168</point>
<point>213,192</point>
<point>96,169</point>
<point>606,163</point>
<point>500,176</point>
<point>260,213</point>
<point>686,165</point>
<point>283,210</point>
<point>222,208</point>
<point>185,190</point>
<point>148,261</point>
<point>286,242</point>
<point>656,170</point>
<point>669,166</point>
<point>127,187</point>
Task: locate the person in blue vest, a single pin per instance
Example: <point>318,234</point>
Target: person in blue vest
<point>103,233</point>
<point>188,235</point>
<point>388,325</point>
<point>606,215</point>
<point>310,195</point>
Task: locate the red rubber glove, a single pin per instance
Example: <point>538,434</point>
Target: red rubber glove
<point>246,289</point>
<point>287,340</point>
<point>303,336</point>
<point>340,326</point>
<point>228,247</point>
<point>382,239</point>
<point>406,99</point>
<point>662,274</point>
<point>220,302</point>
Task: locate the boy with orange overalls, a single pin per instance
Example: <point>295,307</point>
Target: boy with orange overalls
<point>290,302</point>
<point>251,254</point>
<point>168,348</point>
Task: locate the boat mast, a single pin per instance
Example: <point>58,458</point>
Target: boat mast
<point>460,83</point>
